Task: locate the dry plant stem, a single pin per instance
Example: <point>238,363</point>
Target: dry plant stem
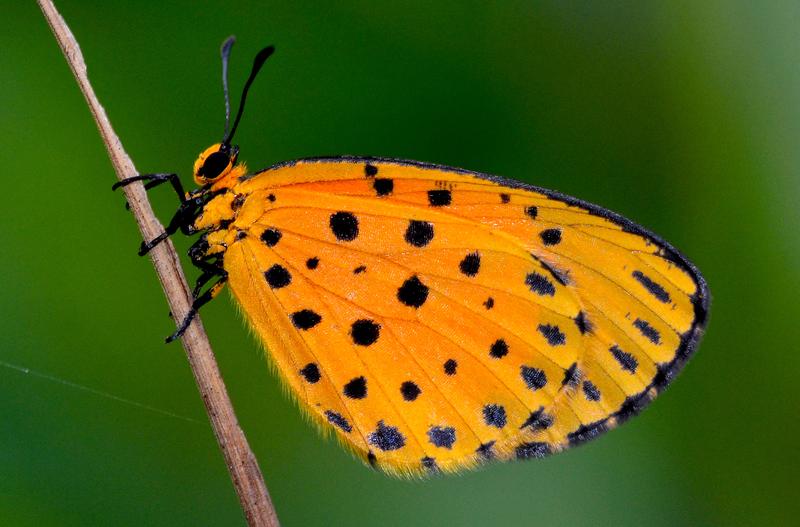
<point>241,462</point>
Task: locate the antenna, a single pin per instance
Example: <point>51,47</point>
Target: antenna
<point>225,51</point>
<point>261,57</point>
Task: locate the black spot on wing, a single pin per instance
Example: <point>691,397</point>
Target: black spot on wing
<point>540,284</point>
<point>442,436</point>
<point>534,378</point>
<point>538,420</point>
<point>305,319</point>
<point>413,292</point>
<point>312,263</point>
<point>485,450</point>
<point>572,375</point>
<point>271,237</point>
<point>344,226</point>
<point>429,464</point>
<point>550,236</point>
<point>439,198</point>
<point>584,326</point>
<point>450,366</point>
<point>505,198</point>
<point>365,332</point>
<point>337,420</point>
<point>590,391</point>
<point>310,373</point>
<point>551,332</point>
<point>654,288</point>
<point>494,415</point>
<point>647,330</point>
<point>419,233</point>
<point>277,276</point>
<point>471,264</point>
<point>532,212</point>
<point>356,388</point>
<point>370,170</point>
<point>489,303</point>
<point>498,349</point>
<point>625,359</point>
<point>383,186</point>
<point>386,437</point>
<point>410,391</point>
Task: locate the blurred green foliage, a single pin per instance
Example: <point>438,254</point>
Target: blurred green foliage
<point>682,116</point>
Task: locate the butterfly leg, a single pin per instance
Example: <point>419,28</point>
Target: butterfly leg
<point>182,220</point>
<point>211,267</point>
<point>154,180</point>
<point>202,280</point>
<point>210,270</point>
<point>199,302</point>
<point>176,223</point>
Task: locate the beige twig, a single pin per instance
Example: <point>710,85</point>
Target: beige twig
<point>242,464</point>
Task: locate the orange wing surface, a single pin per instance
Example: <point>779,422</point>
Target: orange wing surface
<point>435,318</point>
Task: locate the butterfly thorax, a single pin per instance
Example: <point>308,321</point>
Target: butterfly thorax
<point>223,204</point>
<point>229,211</point>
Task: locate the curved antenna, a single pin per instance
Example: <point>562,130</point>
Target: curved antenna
<point>261,57</point>
<point>225,51</point>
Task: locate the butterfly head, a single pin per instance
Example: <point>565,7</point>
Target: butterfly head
<point>214,163</point>
<point>219,160</point>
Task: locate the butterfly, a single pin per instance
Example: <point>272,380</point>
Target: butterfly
<point>436,318</point>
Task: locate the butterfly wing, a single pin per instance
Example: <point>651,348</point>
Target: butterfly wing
<point>437,318</point>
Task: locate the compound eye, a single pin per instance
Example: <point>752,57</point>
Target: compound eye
<point>214,165</point>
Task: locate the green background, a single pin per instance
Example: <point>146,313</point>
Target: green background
<point>684,116</point>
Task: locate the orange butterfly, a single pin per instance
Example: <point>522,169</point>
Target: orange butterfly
<point>433,317</point>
